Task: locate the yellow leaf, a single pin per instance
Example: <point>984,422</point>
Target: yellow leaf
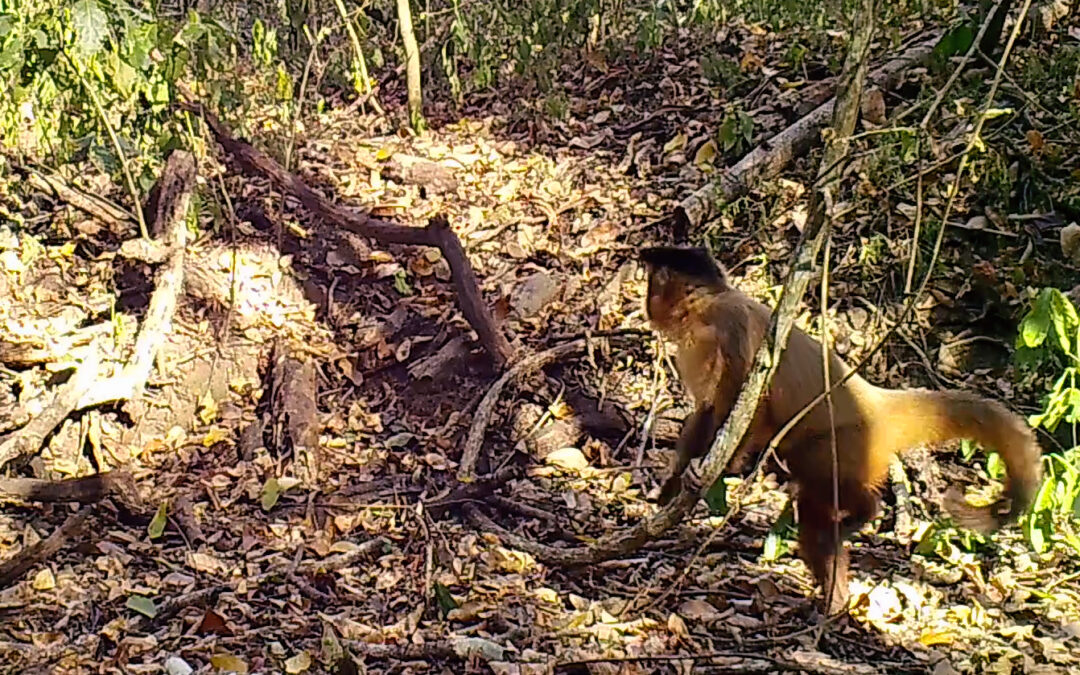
<point>570,459</point>
<point>298,663</point>
<point>677,143</point>
<point>44,580</point>
<point>508,191</point>
<point>270,493</point>
<point>383,154</point>
<point>208,409</point>
<point>933,637</point>
<point>705,154</point>
<point>750,61</point>
<point>225,661</point>
<point>214,436</point>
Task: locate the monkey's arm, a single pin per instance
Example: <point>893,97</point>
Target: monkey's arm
<point>696,436</point>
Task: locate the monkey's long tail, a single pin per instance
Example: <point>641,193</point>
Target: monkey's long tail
<point>917,416</point>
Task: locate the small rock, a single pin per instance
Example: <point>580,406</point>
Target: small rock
<point>535,293</point>
<point>174,665</point>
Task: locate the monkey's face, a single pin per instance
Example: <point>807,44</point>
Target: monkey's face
<point>664,290</point>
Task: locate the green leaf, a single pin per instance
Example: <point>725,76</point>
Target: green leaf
<point>143,605</point>
<point>123,75</point>
<point>91,27</point>
<point>746,125</point>
<point>956,41</point>
<point>716,497</point>
<point>157,525</point>
<point>1072,405</point>
<point>1064,316</point>
<point>995,467</point>
<point>11,56</point>
<point>1035,326</point>
<point>728,133</point>
<point>401,283</point>
<point>1037,530</point>
<point>1044,498</point>
<point>445,600</point>
<point>270,493</point>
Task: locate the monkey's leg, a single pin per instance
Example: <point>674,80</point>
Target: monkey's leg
<point>697,434</point>
<point>818,546</point>
<point>825,555</point>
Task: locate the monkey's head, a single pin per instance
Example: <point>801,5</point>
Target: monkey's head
<point>676,276</point>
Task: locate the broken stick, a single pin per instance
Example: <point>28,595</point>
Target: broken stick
<point>16,566</point>
<point>437,233</point>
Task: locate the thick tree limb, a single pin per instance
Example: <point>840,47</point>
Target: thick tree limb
<point>167,214</point>
<point>437,233</point>
<point>768,159</point>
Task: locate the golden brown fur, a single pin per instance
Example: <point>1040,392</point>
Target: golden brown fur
<point>717,329</point>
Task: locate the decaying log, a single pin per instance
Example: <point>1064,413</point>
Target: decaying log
<point>437,233</point>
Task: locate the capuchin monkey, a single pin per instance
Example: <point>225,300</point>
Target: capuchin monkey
<point>717,329</point>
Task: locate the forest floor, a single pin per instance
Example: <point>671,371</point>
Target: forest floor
<point>254,575</point>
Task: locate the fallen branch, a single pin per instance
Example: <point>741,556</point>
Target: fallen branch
<point>14,567</point>
<point>437,233</point>
<point>458,647</point>
<point>473,491</point>
<point>475,440</point>
<point>89,204</point>
<point>740,662</point>
<point>169,227</point>
<point>28,439</point>
<point>85,390</point>
<point>769,158</point>
<point>85,490</point>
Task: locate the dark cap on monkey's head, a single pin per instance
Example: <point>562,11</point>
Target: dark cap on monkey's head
<point>692,262</point>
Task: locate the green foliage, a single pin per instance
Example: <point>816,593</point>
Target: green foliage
<point>716,497</point>
<point>1048,340</point>
<point>736,131</point>
<point>60,61</point>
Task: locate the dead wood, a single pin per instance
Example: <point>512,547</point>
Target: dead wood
<point>294,410</point>
<point>28,439</point>
<point>473,491</point>
<point>726,661</point>
<point>85,490</point>
<point>89,204</point>
<point>770,158</point>
<point>167,223</point>
<point>437,233</point>
<point>84,389</point>
<point>14,567</point>
<point>475,440</point>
